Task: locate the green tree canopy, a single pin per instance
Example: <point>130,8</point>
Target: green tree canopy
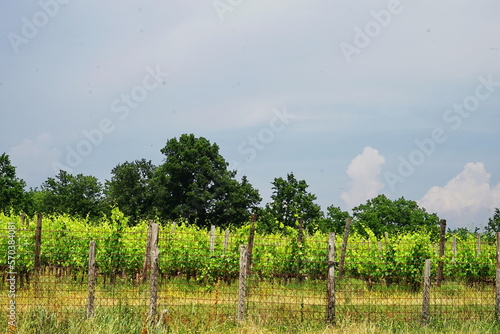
<point>12,194</point>
<point>334,221</point>
<point>78,195</point>
<point>194,183</point>
<point>381,215</point>
<point>291,201</point>
<point>130,188</point>
<point>493,225</point>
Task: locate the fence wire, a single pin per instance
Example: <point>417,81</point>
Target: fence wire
<point>199,274</point>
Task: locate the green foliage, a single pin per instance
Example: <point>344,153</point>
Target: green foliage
<point>128,319</point>
<point>130,188</point>
<point>494,222</point>
<point>470,266</point>
<point>12,193</point>
<point>381,215</point>
<point>194,183</point>
<point>410,253</point>
<point>334,221</point>
<point>291,201</point>
<point>78,195</point>
<point>185,252</point>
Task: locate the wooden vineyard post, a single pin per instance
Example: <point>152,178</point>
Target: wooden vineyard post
<point>24,221</point>
<point>497,281</point>
<point>147,255</point>
<point>154,273</point>
<point>330,308</point>
<point>242,290</point>
<point>92,280</point>
<point>38,245</point>
<point>212,240</point>
<point>426,293</point>
<point>442,240</point>
<point>38,241</point>
<point>226,241</point>
<point>300,232</point>
<point>300,244</point>
<point>174,226</point>
<point>344,246</point>
<point>250,244</point>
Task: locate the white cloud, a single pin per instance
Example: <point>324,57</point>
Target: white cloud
<point>34,158</point>
<point>466,200</point>
<point>364,171</point>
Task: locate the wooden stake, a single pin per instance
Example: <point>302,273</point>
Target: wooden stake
<point>242,290</point>
<point>330,307</point>
<point>38,241</point>
<point>426,293</point>
<point>147,255</point>
<point>174,226</point>
<point>344,246</point>
<point>442,239</point>
<point>212,239</point>
<point>226,241</point>
<point>154,273</point>
<point>250,244</point>
<point>91,280</point>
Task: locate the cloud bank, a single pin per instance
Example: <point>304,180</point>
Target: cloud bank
<point>468,199</point>
<point>365,173</point>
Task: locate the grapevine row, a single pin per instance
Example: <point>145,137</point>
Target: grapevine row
<point>185,252</point>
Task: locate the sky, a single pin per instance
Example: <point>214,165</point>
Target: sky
<point>357,98</point>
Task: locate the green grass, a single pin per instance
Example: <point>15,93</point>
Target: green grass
<point>125,319</point>
<point>58,306</point>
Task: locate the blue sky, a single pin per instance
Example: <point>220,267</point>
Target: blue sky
<point>356,98</point>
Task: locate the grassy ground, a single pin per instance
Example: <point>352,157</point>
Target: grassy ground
<point>57,305</point>
<point>126,320</point>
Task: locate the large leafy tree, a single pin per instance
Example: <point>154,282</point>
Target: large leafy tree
<point>78,195</point>
<point>194,183</point>
<point>290,202</point>
<point>12,194</point>
<point>334,221</point>
<point>493,225</point>
<point>130,188</point>
<point>381,215</point>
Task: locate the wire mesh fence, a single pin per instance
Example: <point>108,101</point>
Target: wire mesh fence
<point>293,277</point>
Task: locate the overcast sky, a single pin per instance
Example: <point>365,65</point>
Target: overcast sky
<point>358,98</point>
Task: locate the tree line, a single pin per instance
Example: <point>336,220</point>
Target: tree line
<point>194,183</point>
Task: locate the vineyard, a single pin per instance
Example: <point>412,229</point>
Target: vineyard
<point>199,271</point>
